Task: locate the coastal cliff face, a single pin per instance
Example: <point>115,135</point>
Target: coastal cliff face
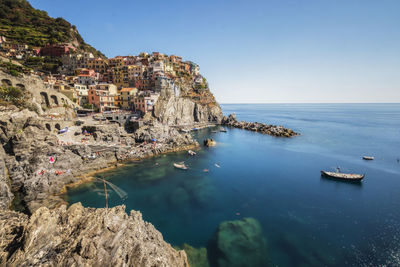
<point>80,236</point>
<point>173,110</point>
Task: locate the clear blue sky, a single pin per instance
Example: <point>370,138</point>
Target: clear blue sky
<point>266,51</point>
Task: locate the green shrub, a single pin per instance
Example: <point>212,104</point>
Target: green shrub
<point>11,93</point>
<point>14,73</point>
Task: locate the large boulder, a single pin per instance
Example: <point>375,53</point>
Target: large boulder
<point>241,243</point>
<point>209,142</point>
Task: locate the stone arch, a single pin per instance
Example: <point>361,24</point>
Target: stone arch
<point>45,98</point>
<point>54,100</point>
<point>20,86</point>
<point>48,127</point>
<point>6,82</point>
<point>57,126</point>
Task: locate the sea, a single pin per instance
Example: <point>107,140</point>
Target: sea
<point>305,219</point>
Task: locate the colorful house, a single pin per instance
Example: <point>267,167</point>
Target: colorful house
<point>145,101</point>
<point>126,97</point>
<point>101,99</point>
<point>56,50</point>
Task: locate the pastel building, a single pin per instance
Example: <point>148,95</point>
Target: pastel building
<point>56,50</point>
<point>127,96</point>
<point>86,79</point>
<point>81,93</point>
<point>101,99</point>
<point>145,101</point>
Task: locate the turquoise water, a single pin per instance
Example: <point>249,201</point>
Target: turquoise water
<point>307,220</point>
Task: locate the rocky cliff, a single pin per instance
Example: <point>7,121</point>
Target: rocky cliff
<point>80,236</point>
<point>174,110</point>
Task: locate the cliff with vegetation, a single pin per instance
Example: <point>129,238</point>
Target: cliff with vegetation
<point>23,24</point>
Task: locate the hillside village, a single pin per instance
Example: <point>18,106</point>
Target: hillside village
<point>98,84</point>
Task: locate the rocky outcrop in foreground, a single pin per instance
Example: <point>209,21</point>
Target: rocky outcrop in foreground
<point>80,236</point>
<point>274,130</point>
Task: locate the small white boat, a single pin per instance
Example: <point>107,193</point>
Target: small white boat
<point>191,153</point>
<point>368,158</point>
<point>222,130</point>
<point>180,165</point>
<point>216,165</point>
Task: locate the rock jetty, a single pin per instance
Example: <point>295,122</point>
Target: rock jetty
<point>273,130</point>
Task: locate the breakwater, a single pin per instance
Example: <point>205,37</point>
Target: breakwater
<point>273,130</point>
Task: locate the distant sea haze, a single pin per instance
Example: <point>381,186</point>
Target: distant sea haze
<point>306,219</point>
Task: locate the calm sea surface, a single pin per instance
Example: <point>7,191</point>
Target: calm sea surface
<point>307,220</point>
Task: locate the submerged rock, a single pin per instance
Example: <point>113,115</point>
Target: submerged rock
<point>240,243</point>
<point>178,197</point>
<point>197,257</point>
<point>81,236</point>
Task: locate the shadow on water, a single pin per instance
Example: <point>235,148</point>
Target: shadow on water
<point>341,183</point>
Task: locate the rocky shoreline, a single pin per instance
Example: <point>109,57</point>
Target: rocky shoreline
<point>278,131</point>
<point>37,182</point>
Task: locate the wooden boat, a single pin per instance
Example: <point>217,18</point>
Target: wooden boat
<point>180,165</point>
<point>343,176</point>
<point>368,158</point>
<point>222,130</point>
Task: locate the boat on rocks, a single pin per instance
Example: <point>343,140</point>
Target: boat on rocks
<point>368,158</point>
<point>342,176</point>
<point>180,165</point>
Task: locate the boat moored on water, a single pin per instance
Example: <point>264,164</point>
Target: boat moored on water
<point>222,130</point>
<point>368,158</point>
<point>191,152</point>
<point>180,165</point>
<point>342,176</point>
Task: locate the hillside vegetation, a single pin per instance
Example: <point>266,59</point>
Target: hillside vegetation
<point>21,23</point>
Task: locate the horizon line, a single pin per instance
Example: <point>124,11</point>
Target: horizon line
<point>280,103</point>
